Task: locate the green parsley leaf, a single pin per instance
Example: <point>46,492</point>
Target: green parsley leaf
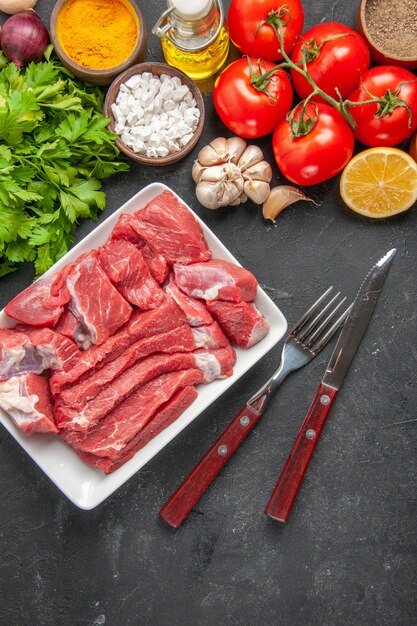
<point>54,151</point>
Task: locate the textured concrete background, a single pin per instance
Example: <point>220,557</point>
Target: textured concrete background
<point>348,553</point>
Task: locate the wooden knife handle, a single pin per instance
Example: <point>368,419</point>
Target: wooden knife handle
<point>176,509</point>
<point>291,477</point>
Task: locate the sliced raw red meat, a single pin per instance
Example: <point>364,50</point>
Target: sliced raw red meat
<point>160,420</point>
<point>216,280</point>
<point>213,364</point>
<point>28,306</point>
<point>17,354</point>
<point>242,322</point>
<point>210,336</point>
<point>167,224</point>
<point>125,229</point>
<point>119,426</point>
<point>95,302</point>
<point>70,327</point>
<point>181,339</point>
<point>195,310</point>
<point>57,352</point>
<point>26,399</point>
<point>141,324</point>
<point>127,270</point>
<point>177,340</point>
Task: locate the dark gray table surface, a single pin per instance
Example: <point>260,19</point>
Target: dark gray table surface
<point>348,553</point>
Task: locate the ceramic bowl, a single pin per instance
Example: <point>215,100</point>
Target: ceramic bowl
<point>157,69</point>
<point>99,77</point>
<point>379,54</point>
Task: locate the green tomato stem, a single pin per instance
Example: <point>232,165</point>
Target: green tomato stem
<point>339,105</point>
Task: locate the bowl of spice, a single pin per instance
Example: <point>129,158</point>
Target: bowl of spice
<point>98,39</point>
<point>390,29</point>
<point>157,111</point>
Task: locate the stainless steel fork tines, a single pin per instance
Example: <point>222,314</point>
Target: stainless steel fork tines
<point>306,339</point>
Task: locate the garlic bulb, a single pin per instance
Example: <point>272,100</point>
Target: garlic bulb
<point>11,7</point>
<point>228,172</point>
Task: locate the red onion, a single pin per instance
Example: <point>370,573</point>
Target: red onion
<point>24,38</point>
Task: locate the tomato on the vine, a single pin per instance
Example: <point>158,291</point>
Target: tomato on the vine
<point>253,26</point>
<point>336,56</point>
<point>251,96</point>
<point>322,151</point>
<point>394,118</point>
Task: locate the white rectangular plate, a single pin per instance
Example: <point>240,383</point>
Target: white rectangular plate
<point>87,486</point>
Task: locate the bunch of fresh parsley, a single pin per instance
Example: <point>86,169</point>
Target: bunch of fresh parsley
<point>54,149</point>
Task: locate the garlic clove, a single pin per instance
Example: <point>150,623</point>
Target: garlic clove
<point>11,7</point>
<point>231,193</point>
<point>208,156</point>
<point>197,171</point>
<point>210,194</point>
<point>236,147</point>
<point>256,190</point>
<point>251,155</point>
<point>214,173</point>
<point>281,197</point>
<point>221,146</point>
<point>260,171</point>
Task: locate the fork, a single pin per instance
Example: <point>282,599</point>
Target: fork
<point>304,342</point>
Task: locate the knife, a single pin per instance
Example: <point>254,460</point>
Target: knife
<point>291,477</point>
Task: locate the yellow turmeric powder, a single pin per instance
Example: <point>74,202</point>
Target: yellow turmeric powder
<point>98,34</point>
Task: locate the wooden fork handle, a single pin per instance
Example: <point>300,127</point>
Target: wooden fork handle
<point>291,477</point>
<point>176,509</point>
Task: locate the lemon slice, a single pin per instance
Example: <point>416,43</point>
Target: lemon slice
<point>380,182</point>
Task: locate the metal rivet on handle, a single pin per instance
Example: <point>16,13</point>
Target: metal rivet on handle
<point>310,433</point>
<point>325,399</point>
<point>244,420</point>
<point>222,450</point>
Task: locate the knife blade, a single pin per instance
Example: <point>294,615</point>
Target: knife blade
<point>289,482</point>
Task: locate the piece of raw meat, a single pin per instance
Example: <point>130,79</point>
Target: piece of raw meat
<point>26,399</point>
<point>57,352</point>
<point>160,420</point>
<point>195,310</point>
<point>127,270</point>
<point>243,323</point>
<point>216,280</point>
<point>95,302</point>
<point>213,364</point>
<point>70,327</point>
<point>29,307</point>
<point>210,336</point>
<point>167,224</point>
<point>17,354</point>
<point>163,418</point>
<point>141,324</point>
<point>157,264</point>
<point>119,426</point>
<point>177,340</point>
<point>181,339</point>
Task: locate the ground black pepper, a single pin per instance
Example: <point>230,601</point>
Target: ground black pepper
<point>392,26</point>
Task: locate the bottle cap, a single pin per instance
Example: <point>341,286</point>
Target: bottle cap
<point>191,10</point>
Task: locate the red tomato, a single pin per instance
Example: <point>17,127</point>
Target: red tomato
<point>318,155</point>
<point>375,129</point>
<point>335,63</point>
<point>244,109</point>
<point>251,31</point>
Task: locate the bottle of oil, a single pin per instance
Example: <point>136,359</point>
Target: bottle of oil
<point>194,36</point>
